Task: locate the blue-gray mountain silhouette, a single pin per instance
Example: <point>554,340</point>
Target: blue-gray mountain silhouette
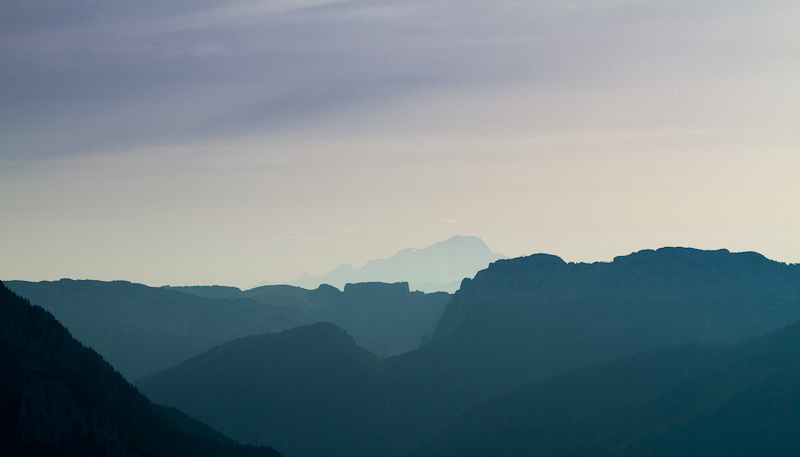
<point>439,267</point>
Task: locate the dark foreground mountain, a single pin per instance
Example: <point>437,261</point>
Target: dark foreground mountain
<point>58,397</point>
<point>741,400</point>
<point>142,329</point>
<point>518,321</point>
<point>439,267</point>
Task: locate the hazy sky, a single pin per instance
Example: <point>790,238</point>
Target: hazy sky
<point>208,142</point>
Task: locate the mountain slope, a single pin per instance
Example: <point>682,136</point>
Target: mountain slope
<point>439,267</point>
<point>317,392</point>
<point>142,329</point>
<point>691,401</point>
<point>60,398</point>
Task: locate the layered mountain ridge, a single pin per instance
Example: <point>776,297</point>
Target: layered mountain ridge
<point>519,321</point>
<point>142,329</point>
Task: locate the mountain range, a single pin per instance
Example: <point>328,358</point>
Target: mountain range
<point>439,267</point>
<point>142,329</point>
<point>519,321</point>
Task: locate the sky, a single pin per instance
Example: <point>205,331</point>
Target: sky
<point>204,142</point>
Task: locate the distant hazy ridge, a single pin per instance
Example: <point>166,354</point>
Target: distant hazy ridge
<point>439,267</point>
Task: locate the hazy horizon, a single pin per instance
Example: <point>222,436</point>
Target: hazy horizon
<point>233,143</point>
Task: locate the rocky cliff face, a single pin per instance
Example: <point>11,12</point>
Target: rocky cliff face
<point>666,275</point>
<point>525,318</point>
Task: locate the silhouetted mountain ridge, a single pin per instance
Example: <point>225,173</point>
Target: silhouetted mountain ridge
<point>668,274</point>
<point>567,315</point>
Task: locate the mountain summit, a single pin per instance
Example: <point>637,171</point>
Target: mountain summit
<point>439,267</point>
